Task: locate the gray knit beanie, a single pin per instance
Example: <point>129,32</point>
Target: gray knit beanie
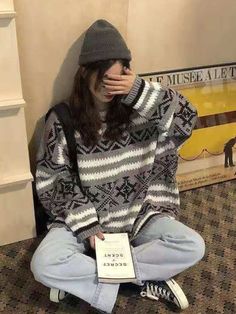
<point>102,41</point>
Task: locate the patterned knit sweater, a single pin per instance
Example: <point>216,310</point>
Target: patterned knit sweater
<point>125,182</point>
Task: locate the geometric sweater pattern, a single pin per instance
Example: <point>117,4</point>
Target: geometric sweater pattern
<point>125,182</point>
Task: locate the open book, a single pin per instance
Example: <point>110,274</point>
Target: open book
<point>114,258</point>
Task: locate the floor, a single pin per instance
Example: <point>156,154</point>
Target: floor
<point>210,285</point>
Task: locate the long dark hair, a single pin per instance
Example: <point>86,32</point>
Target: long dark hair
<point>86,117</point>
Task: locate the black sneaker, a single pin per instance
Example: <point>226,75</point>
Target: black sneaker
<point>168,290</point>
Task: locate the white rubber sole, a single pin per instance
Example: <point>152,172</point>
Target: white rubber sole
<point>178,292</point>
<point>56,295</point>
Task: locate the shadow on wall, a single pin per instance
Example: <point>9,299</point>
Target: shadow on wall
<point>65,77</point>
<point>61,91</point>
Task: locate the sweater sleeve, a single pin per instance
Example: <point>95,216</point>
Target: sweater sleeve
<point>174,115</point>
<point>56,184</point>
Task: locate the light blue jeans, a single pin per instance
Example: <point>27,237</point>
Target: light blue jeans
<point>164,248</point>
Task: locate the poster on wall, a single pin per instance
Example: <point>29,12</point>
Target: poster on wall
<point>209,156</point>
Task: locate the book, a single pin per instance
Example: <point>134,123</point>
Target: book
<point>114,258</point>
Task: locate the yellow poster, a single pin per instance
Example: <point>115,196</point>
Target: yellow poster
<point>209,156</point>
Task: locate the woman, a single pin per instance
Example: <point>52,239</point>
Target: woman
<point>127,135</point>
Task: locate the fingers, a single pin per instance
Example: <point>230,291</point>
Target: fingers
<point>118,84</point>
<point>128,71</point>
<point>100,235</point>
<point>116,77</point>
<point>119,92</point>
<point>114,88</point>
<point>112,82</point>
<point>92,242</point>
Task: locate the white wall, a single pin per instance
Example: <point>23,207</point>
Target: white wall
<point>172,34</point>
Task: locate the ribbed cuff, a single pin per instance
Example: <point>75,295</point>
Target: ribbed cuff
<point>88,232</point>
<point>130,98</point>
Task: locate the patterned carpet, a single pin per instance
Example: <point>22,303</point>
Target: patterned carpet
<point>210,285</point>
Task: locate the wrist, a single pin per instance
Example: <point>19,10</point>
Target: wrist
<point>134,91</point>
<point>86,234</point>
